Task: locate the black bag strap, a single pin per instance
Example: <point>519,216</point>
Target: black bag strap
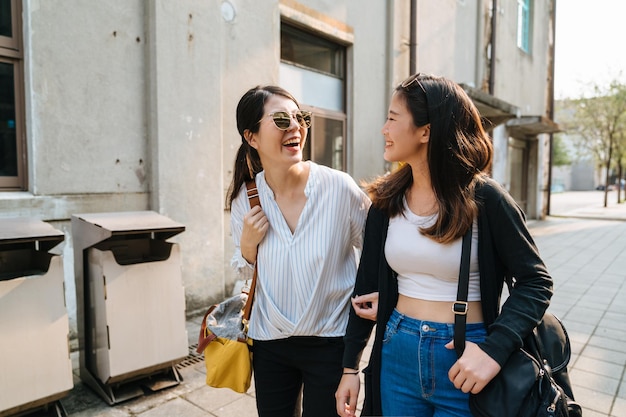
<point>533,343</point>
<point>460,305</point>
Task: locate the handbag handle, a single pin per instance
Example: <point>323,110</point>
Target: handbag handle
<point>460,305</point>
<point>205,337</point>
<point>253,197</point>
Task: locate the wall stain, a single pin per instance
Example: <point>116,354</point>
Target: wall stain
<point>140,172</point>
<point>190,32</point>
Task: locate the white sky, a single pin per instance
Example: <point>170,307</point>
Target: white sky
<point>590,45</point>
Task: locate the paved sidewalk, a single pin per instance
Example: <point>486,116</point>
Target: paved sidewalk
<point>586,257</point>
<point>587,205</point>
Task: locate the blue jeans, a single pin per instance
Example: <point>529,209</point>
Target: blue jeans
<point>414,368</point>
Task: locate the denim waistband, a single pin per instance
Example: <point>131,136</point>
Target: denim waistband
<point>424,327</point>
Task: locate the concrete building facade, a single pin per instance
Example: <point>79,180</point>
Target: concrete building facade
<point>129,105</point>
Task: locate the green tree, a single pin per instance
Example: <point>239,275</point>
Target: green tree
<point>560,153</point>
<point>598,123</point>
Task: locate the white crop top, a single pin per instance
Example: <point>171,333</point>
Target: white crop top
<point>426,269</point>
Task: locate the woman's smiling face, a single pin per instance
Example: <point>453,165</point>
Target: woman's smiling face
<point>275,145</point>
<point>403,140</point>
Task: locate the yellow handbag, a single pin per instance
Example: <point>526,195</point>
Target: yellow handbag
<point>237,356</point>
<point>228,358</point>
<point>223,334</point>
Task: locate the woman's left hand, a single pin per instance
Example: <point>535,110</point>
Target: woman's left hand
<point>473,370</point>
<point>366,306</point>
<point>347,394</point>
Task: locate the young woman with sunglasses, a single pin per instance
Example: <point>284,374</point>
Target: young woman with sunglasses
<point>303,240</point>
<point>407,278</point>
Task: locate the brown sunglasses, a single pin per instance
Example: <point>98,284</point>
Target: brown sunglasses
<point>282,119</point>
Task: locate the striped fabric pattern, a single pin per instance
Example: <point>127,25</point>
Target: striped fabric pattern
<point>306,277</point>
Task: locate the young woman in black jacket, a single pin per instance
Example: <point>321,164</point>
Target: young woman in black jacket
<point>408,274</point>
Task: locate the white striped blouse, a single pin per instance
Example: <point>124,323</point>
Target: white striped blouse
<point>305,279</point>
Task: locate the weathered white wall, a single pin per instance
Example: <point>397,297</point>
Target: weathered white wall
<point>448,34</point>
<point>88,128</point>
<point>521,77</point>
<point>130,106</point>
<point>184,106</point>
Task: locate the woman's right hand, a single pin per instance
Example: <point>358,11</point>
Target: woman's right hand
<point>255,226</point>
<point>347,394</point>
<point>366,306</point>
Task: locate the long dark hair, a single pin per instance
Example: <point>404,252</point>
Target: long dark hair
<point>250,110</point>
<point>459,152</point>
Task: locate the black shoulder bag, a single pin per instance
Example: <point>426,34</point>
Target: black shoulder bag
<point>534,381</point>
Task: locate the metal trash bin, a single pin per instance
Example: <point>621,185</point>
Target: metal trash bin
<point>35,364</point>
<point>130,302</point>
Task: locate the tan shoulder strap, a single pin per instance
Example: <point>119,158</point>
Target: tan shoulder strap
<point>253,196</point>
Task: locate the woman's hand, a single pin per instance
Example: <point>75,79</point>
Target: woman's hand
<point>473,370</point>
<point>366,306</point>
<point>255,226</point>
<point>347,394</point>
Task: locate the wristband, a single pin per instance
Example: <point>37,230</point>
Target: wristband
<point>351,373</point>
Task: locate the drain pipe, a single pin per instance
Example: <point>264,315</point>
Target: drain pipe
<point>492,62</point>
<point>551,60</point>
<point>390,68</point>
<point>391,6</point>
<point>413,39</point>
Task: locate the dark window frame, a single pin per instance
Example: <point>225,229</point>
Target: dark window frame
<point>311,138</point>
<point>16,182</point>
<point>11,52</point>
<point>524,27</point>
<point>315,43</point>
<point>339,71</point>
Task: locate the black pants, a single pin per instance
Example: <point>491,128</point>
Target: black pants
<point>283,367</point>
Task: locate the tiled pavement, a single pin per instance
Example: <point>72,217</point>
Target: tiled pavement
<point>586,257</point>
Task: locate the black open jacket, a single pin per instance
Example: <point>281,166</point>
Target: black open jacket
<point>505,248</point>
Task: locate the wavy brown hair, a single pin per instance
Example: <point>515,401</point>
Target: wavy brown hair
<point>459,153</point>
